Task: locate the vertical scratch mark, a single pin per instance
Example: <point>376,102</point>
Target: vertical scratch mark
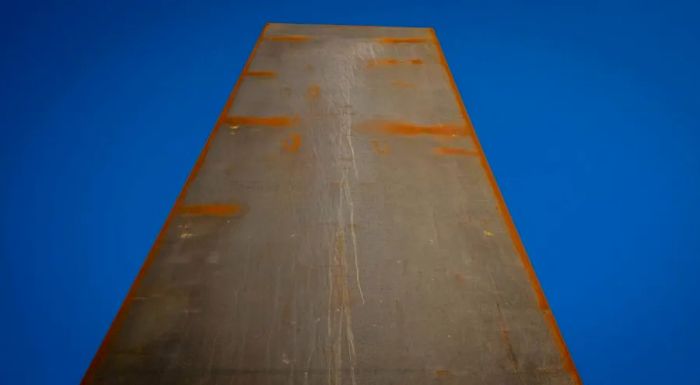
<point>295,321</point>
<point>312,350</point>
<point>212,355</point>
<point>352,154</point>
<point>274,318</point>
<point>348,198</point>
<point>330,292</point>
<point>339,339</point>
<point>244,323</point>
<point>338,263</point>
<point>338,352</point>
<point>505,335</point>
<point>349,336</point>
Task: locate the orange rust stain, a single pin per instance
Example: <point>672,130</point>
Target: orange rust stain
<point>402,84</point>
<point>391,62</point>
<point>380,148</point>
<point>568,363</point>
<point>382,62</point>
<point>411,129</point>
<point>292,144</point>
<point>313,92</point>
<point>400,40</point>
<point>261,74</point>
<point>442,373</point>
<point>455,151</point>
<point>118,322</point>
<point>460,278</point>
<point>215,210</point>
<point>505,336</point>
<point>290,38</point>
<point>269,121</point>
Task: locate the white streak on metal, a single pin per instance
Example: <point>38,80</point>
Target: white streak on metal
<point>312,349</point>
<point>348,198</point>
<point>344,70</point>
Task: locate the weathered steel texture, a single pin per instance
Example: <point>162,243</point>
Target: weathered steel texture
<point>340,226</point>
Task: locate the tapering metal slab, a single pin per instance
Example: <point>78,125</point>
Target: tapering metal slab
<point>340,227</point>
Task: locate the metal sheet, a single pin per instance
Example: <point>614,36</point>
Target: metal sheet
<point>340,227</point>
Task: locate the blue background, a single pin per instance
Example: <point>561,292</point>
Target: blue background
<point>588,113</point>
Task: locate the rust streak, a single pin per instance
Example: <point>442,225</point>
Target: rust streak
<point>261,74</point>
<point>288,38</point>
<point>402,84</point>
<point>313,92</point>
<point>455,151</point>
<point>509,347</point>
<point>505,336</point>
<point>442,373</point>
<point>382,62</point>
<point>269,121</point>
<point>392,62</point>
<point>214,210</point>
<point>411,129</point>
<point>402,40</point>
<point>292,144</point>
<point>568,362</point>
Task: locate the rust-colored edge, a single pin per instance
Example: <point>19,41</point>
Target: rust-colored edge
<point>121,314</point>
<point>403,40</point>
<point>455,151</point>
<point>288,38</point>
<point>513,232</point>
<point>261,74</point>
<point>213,210</point>
<point>268,121</point>
<point>348,26</point>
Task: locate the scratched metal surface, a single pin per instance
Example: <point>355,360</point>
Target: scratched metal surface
<point>339,228</point>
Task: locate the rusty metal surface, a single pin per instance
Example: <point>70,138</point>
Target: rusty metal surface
<point>340,227</point>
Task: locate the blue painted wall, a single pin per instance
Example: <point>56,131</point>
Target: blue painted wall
<point>588,112</point>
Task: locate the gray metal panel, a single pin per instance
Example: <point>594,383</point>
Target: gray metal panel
<point>341,226</point>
